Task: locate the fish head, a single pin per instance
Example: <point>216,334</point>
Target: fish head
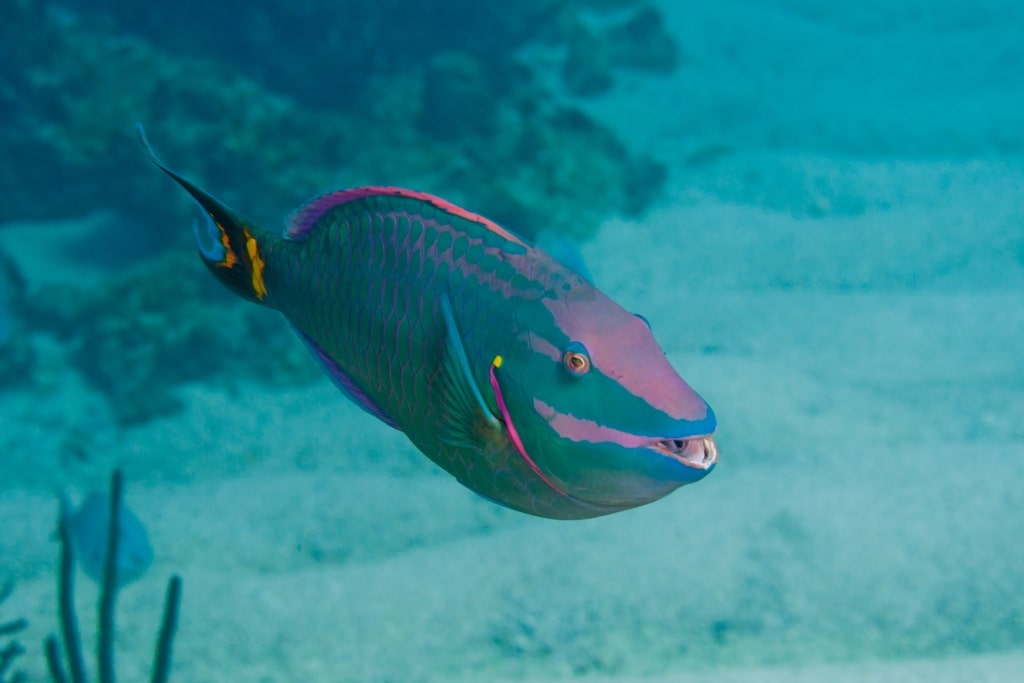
<point>599,412</point>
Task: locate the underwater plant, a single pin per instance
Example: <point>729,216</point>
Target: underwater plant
<point>72,642</point>
<point>145,331</point>
<point>13,649</point>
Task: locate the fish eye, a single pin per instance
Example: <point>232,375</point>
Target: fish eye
<point>646,321</point>
<point>576,360</point>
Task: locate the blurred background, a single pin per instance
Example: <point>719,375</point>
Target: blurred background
<point>818,206</point>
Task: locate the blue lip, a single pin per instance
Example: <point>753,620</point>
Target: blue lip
<point>703,427</point>
<point>669,428</point>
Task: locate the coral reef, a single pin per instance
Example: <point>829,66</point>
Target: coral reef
<point>638,41</point>
<point>16,356</point>
<point>378,99</point>
<point>348,46</point>
<point>161,324</point>
<point>13,649</point>
<point>73,658</point>
<point>460,111</point>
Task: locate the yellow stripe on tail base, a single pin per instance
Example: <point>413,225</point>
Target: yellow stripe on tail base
<point>258,286</point>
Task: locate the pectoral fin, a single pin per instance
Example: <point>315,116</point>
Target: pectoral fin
<point>465,411</point>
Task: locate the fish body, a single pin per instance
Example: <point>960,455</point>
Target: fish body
<point>88,527</point>
<point>504,366</point>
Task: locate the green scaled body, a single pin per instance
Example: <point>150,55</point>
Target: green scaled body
<point>505,367</point>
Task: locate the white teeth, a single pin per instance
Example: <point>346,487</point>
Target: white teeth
<point>710,451</point>
<point>699,452</point>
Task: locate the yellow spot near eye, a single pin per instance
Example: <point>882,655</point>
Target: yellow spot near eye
<point>258,286</point>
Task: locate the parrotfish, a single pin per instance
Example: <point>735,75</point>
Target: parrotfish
<point>88,527</point>
<point>505,366</point>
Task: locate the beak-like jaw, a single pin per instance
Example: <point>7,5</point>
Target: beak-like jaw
<point>695,452</point>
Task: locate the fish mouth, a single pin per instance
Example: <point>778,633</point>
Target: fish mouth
<point>695,452</point>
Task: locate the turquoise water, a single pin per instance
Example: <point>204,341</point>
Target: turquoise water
<point>818,208</point>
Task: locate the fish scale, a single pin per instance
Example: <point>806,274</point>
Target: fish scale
<point>438,262</point>
<point>506,367</point>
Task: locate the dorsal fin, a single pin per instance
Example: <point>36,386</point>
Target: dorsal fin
<point>305,218</point>
<point>567,253</point>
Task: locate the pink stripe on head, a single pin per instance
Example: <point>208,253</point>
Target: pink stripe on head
<point>622,347</point>
<point>543,346</point>
<point>578,429</point>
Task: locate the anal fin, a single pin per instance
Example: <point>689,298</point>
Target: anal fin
<point>345,383</point>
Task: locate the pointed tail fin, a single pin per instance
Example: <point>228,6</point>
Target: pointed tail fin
<point>227,242</point>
